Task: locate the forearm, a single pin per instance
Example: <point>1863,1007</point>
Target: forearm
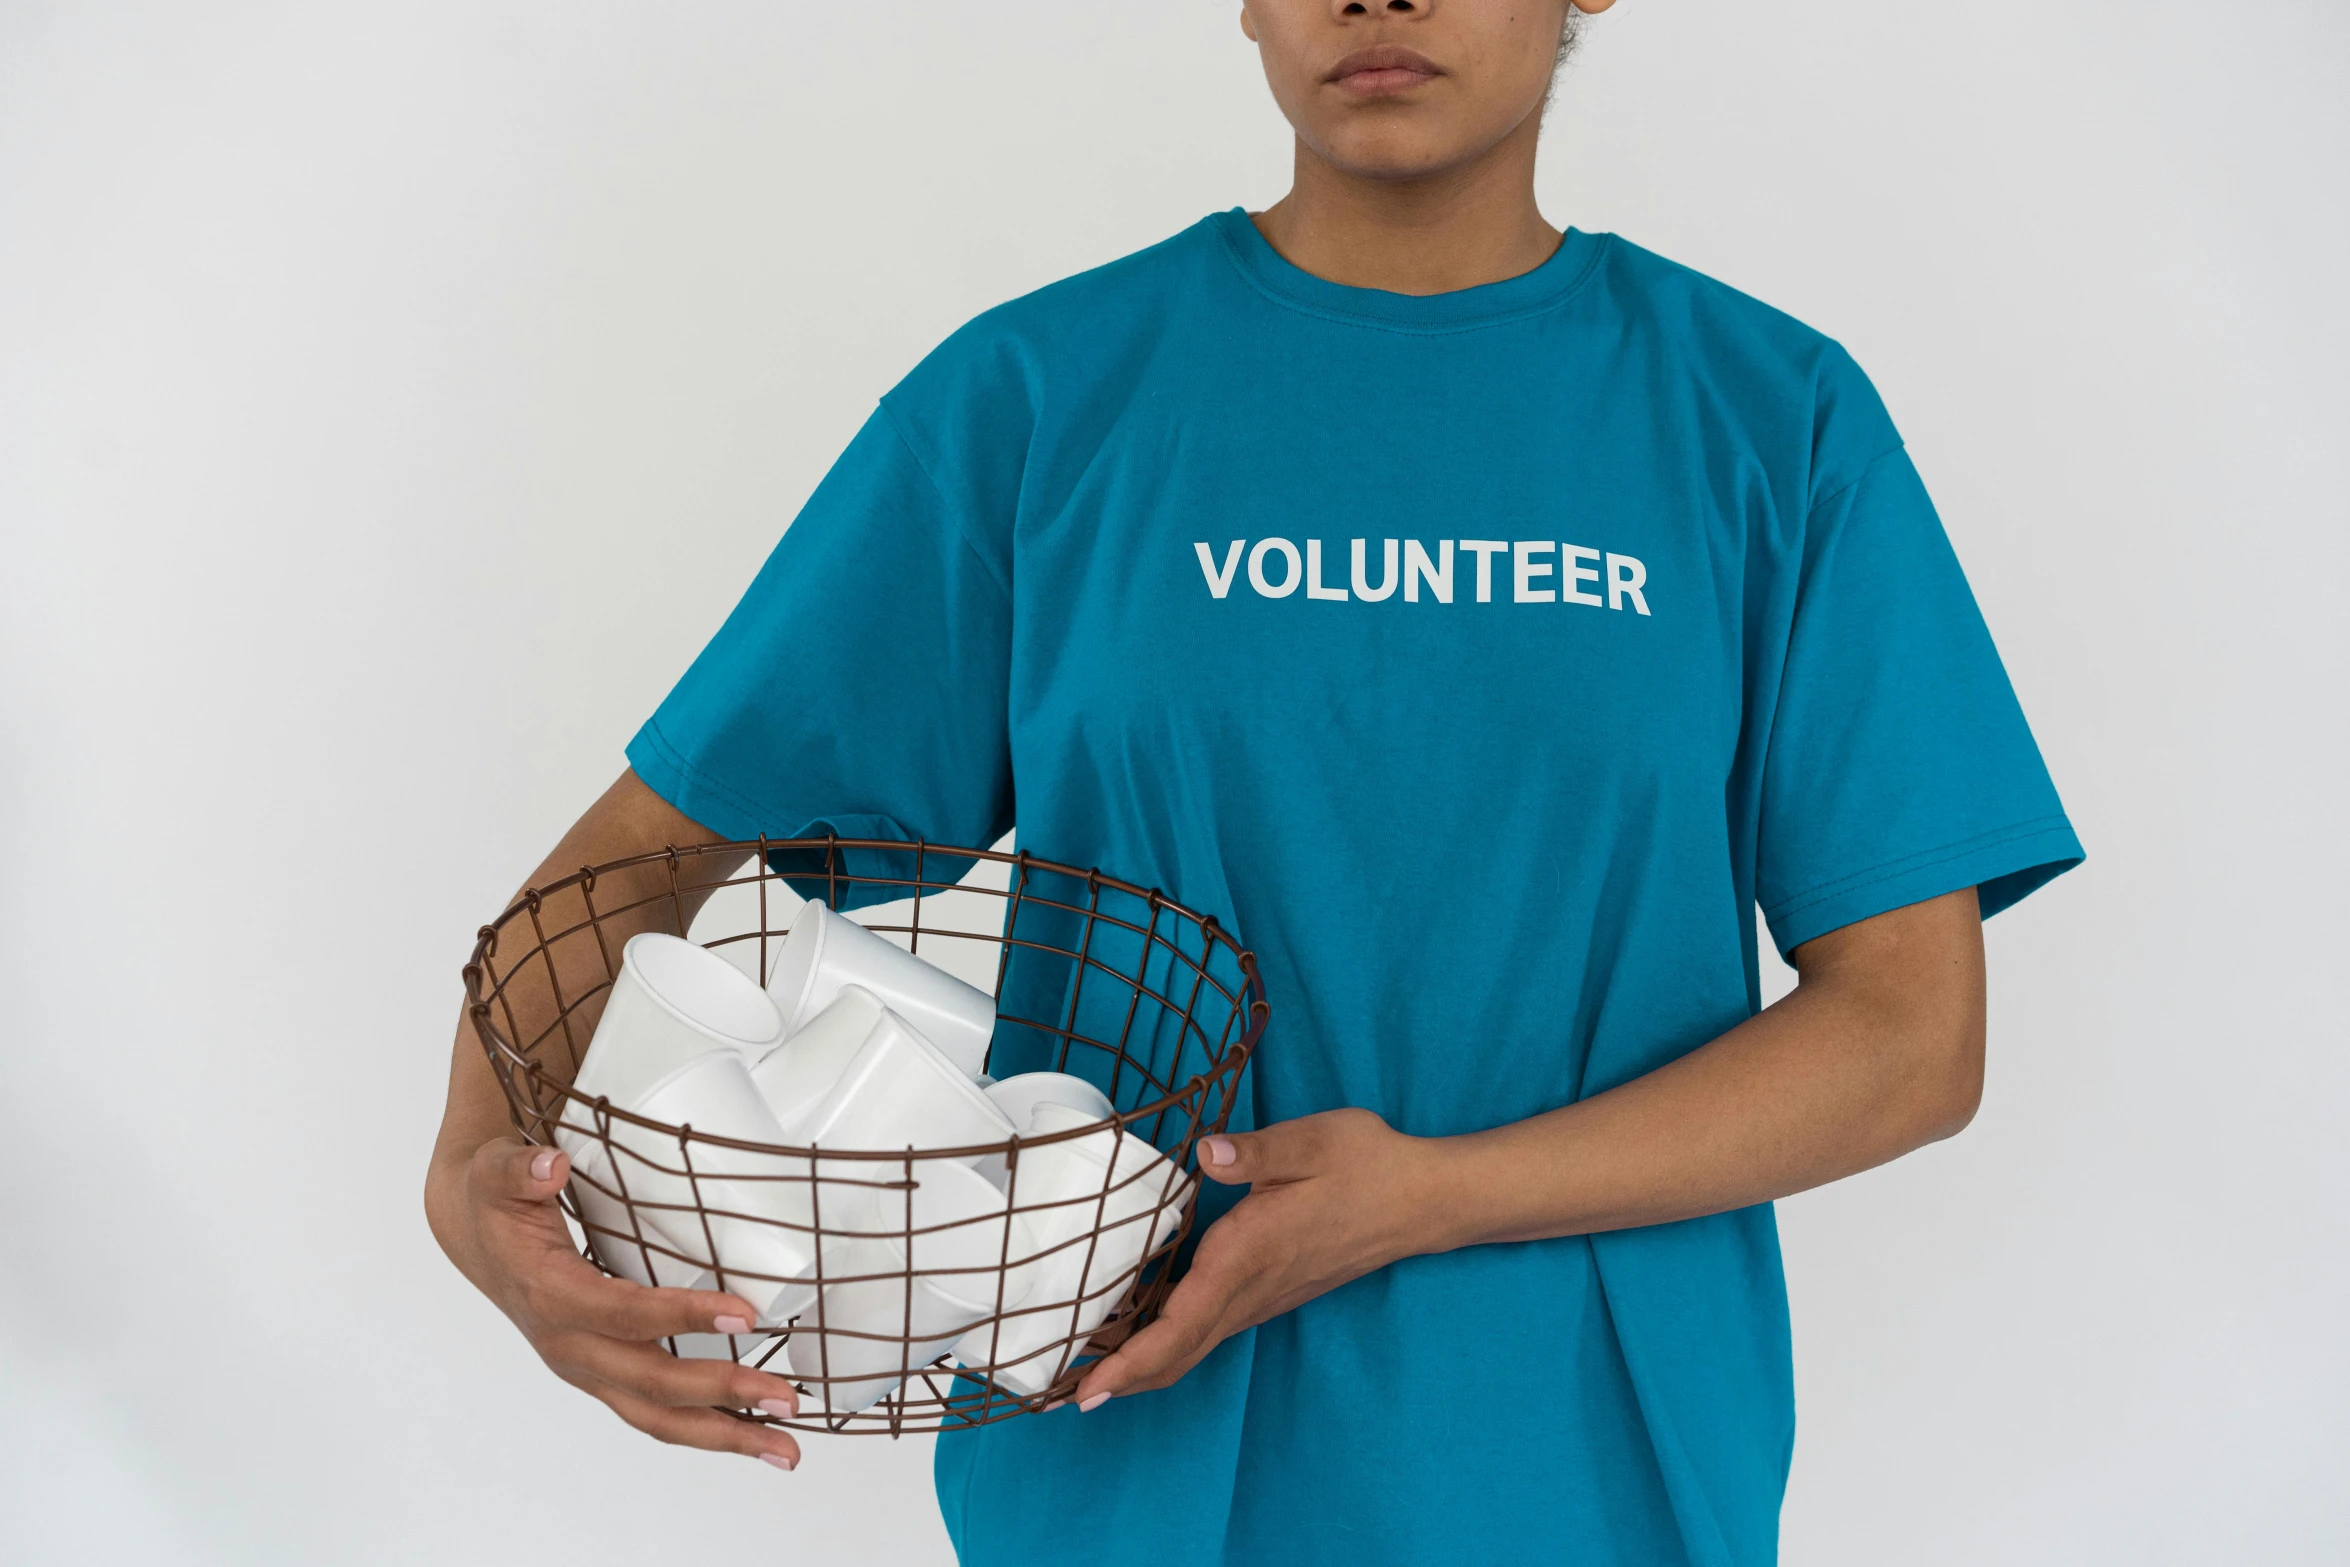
<point>628,820</point>
<point>1877,1052</point>
<point>1879,1049</point>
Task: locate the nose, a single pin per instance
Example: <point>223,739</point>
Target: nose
<point>1389,7</point>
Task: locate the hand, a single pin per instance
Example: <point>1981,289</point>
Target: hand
<point>1332,1197</point>
<point>496,1217</point>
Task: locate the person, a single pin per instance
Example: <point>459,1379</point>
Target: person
<point>1481,621</point>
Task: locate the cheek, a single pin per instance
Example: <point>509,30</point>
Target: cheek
<point>1515,51</point>
<point>1283,56</point>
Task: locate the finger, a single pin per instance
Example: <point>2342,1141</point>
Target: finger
<point>1192,1322</point>
<point>561,1295</point>
<point>585,1301</point>
<point>707,1429</point>
<point>654,1376</point>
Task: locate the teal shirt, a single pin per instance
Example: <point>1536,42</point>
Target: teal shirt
<point>1652,623</point>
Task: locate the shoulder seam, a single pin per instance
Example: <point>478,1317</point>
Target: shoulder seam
<point>947,506</point>
<point>1894,450</point>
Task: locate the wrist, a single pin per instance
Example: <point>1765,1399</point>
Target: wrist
<point>1447,1196</point>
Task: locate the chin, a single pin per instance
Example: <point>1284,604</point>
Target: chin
<point>1389,154</point>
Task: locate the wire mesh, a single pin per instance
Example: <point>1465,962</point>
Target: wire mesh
<point>958,1304</point>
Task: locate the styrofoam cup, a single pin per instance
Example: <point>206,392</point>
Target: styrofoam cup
<point>926,1264</point>
<point>1018,1096</point>
<point>899,1091</point>
<point>824,951</point>
<point>719,1216</point>
<point>670,1002</point>
<point>795,1076</point>
<point>610,1234</point>
<point>617,1248</point>
<point>1059,1188</point>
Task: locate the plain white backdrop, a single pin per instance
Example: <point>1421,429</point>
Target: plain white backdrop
<point>393,398</point>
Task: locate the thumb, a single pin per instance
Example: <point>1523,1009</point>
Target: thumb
<point>1274,1153</point>
<point>521,1172</point>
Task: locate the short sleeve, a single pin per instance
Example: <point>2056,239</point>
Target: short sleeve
<point>1899,764</point>
<point>860,686</point>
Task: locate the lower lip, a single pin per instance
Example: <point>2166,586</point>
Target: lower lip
<point>1381,83</point>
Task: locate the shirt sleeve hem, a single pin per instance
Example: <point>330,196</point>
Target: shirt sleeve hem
<point>2006,864</point>
<point>724,810</point>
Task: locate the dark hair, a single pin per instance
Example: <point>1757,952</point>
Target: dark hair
<point>1570,33</point>
<point>1570,38</point>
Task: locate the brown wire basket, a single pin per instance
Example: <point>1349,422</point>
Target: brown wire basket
<point>956,1310</point>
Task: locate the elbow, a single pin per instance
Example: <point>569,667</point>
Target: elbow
<point>1951,1086</point>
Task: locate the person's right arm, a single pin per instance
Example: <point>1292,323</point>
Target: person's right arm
<point>490,1196</point>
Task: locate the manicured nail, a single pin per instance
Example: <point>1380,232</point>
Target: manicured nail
<point>780,1408</point>
<point>731,1325</point>
<point>1093,1403</point>
<point>779,1460</point>
<point>1055,1404</point>
<point>1216,1150</point>
<point>543,1165</point>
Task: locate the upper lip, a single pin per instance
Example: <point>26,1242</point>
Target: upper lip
<point>1382,57</point>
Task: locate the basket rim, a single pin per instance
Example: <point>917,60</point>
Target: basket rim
<point>503,1053</point>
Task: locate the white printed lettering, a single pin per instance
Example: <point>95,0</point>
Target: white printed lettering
<point>1256,569</point>
<point>1623,583</point>
<point>1314,587</point>
<point>1522,589</point>
<point>1484,550</point>
<point>1219,582</point>
<point>1408,564</point>
<point>1571,572</point>
<point>1417,567</point>
<point>1362,583</point>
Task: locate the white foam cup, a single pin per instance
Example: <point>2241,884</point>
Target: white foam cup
<point>614,1241</point>
<point>671,1002</point>
<point>1059,1189</point>
<point>720,1217</point>
<point>795,1076</point>
<point>617,1248</point>
<point>1018,1096</point>
<point>925,1265</point>
<point>824,951</point>
<point>899,1091</point>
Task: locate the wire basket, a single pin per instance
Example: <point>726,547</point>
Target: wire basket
<point>969,1314</point>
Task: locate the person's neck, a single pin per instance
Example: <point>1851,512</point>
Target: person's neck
<point>1473,224</point>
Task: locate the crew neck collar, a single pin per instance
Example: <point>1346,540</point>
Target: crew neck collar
<point>1485,305</point>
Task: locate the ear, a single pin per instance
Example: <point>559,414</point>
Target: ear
<point>1248,25</point>
<point>1592,7</point>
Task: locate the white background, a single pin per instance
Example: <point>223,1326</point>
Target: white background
<point>392,398</point>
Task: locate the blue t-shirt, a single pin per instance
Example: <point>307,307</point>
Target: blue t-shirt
<point>1482,660</point>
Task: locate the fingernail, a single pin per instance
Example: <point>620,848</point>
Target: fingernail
<point>1216,1150</point>
<point>1055,1404</point>
<point>1093,1403</point>
<point>543,1165</point>
<point>731,1325</point>
<point>781,1409</point>
<point>779,1460</point>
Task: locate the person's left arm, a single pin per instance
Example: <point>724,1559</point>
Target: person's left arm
<point>1878,1050</point>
